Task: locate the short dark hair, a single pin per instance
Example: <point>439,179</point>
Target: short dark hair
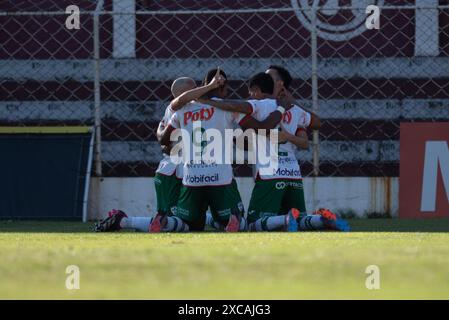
<point>284,74</point>
<point>263,81</point>
<point>211,74</point>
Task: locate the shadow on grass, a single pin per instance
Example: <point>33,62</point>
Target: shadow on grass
<point>357,225</point>
<point>46,226</point>
<point>400,225</point>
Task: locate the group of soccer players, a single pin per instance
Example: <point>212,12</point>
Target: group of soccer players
<point>192,195</point>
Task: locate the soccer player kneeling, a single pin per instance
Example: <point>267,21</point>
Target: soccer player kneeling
<point>168,175</point>
<point>277,201</point>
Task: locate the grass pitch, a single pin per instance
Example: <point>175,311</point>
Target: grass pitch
<point>413,257</point>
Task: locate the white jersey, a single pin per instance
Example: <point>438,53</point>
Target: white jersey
<point>195,118</point>
<point>292,120</point>
<point>166,166</point>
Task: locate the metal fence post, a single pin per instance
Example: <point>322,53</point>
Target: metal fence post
<point>314,53</point>
<point>97,96</point>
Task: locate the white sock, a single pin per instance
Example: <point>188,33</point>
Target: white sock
<point>311,222</point>
<point>276,222</point>
<point>175,224</point>
<point>269,223</point>
<point>243,224</point>
<point>211,222</point>
<point>214,224</point>
<point>137,223</point>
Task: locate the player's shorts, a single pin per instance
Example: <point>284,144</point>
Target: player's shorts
<point>222,200</point>
<point>275,197</point>
<point>167,192</point>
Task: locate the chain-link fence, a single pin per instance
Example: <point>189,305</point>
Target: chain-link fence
<point>115,71</point>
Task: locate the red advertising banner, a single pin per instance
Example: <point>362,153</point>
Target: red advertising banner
<point>424,170</point>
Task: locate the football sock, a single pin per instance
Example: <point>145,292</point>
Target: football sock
<point>175,224</point>
<point>211,222</point>
<point>137,223</point>
<point>311,222</point>
<point>268,223</point>
<point>243,224</point>
<point>214,224</point>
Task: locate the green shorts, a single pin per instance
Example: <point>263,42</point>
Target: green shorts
<point>275,197</point>
<point>167,192</point>
<point>222,200</point>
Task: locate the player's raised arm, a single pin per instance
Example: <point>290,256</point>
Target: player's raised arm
<point>164,138</point>
<point>166,149</point>
<point>172,125</point>
<point>269,123</point>
<point>241,106</point>
<point>273,118</point>
<point>160,131</point>
<point>182,99</point>
<point>315,122</point>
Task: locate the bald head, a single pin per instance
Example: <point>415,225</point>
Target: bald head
<point>181,85</point>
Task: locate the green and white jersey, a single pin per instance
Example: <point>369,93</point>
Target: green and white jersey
<point>292,120</point>
<point>197,119</point>
<point>166,166</point>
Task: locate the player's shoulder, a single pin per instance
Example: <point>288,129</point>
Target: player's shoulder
<point>192,105</point>
<point>270,101</point>
<point>177,114</point>
<point>301,116</point>
<point>298,109</point>
<point>168,113</point>
<point>264,103</point>
<point>169,110</point>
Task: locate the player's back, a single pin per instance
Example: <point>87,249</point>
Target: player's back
<point>292,119</point>
<point>203,126</point>
<point>208,116</point>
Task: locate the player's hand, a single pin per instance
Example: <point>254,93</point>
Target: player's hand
<point>218,80</point>
<point>283,136</point>
<point>285,102</point>
<point>166,149</point>
<point>281,93</point>
<point>286,99</point>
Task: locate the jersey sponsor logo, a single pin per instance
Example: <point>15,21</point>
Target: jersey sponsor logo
<point>296,185</point>
<point>203,114</point>
<point>287,172</point>
<point>203,178</point>
<point>286,160</point>
<point>280,185</point>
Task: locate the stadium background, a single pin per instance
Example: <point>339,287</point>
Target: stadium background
<point>115,72</point>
